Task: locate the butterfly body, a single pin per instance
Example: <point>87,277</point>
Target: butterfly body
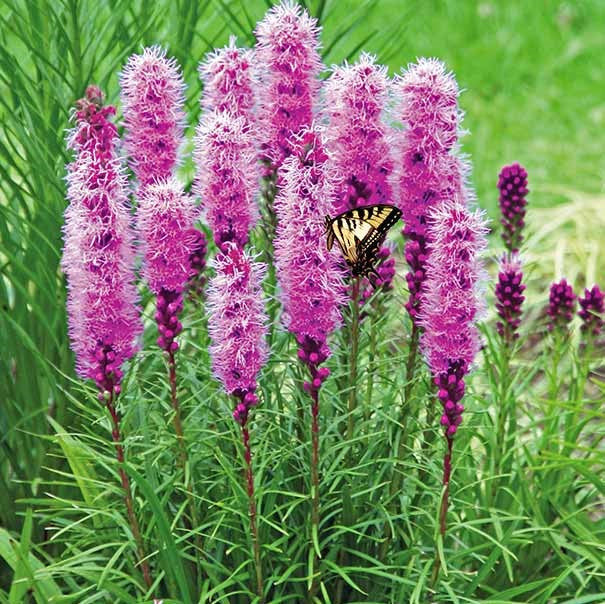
<point>360,233</point>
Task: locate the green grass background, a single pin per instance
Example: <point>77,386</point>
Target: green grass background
<point>534,81</point>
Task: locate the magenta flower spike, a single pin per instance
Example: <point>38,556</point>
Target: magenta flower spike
<point>309,275</point>
<point>355,99</point>
<point>227,178</point>
<point>427,169</point>
<point>512,184</point>
<point>453,304</point>
<point>287,65</point>
<point>152,101</point>
<point>98,253</point>
<point>197,260</point>
<point>311,283</point>
<point>165,219</point>
<point>98,261</point>
<point>561,306</point>
<point>228,81</point>
<point>237,325</point>
<point>592,307</point>
<point>509,297</point>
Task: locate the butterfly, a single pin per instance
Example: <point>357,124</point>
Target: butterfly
<point>360,233</point>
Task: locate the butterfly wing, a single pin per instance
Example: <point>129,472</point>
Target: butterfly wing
<point>360,233</point>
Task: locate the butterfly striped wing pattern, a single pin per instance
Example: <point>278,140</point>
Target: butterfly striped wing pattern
<point>360,233</point>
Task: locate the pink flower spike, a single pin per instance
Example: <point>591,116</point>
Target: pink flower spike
<point>309,275</point>
<point>356,97</point>
<point>98,253</point>
<point>287,65</point>
<point>152,101</point>
<point>237,320</point>
<point>227,177</point>
<point>228,84</point>
<point>453,300</point>
<point>165,217</point>
<point>427,169</point>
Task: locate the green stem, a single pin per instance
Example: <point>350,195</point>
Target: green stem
<point>315,492</point>
<point>192,523</point>
<point>353,359</point>
<point>371,366</point>
<point>410,372</point>
<point>134,523</point>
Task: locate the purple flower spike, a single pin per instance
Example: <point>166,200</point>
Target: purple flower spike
<point>591,310</point>
<point>356,96</point>
<point>152,100</point>
<point>512,183</point>
<point>165,217</point>
<point>428,171</point>
<point>509,296</point>
<point>562,305</point>
<point>309,275</point>
<point>197,260</point>
<point>237,325</point>
<point>288,66</point>
<point>228,84</point>
<point>449,315</point>
<point>453,302</point>
<point>227,176</point>
<point>98,253</point>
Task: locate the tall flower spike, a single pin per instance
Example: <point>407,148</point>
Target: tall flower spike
<point>509,296</point>
<point>308,274</point>
<point>453,304</point>
<point>561,305</point>
<point>152,101</point>
<point>98,260</point>
<point>288,66</point>
<point>427,169</point>
<point>237,325</point>
<point>98,253</point>
<point>228,83</point>
<point>591,311</point>
<point>227,178</point>
<point>356,96</point>
<point>310,279</point>
<point>512,183</point>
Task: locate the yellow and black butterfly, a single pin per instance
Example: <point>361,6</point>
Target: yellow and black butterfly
<point>360,233</point>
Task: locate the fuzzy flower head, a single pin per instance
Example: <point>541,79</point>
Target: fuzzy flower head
<point>427,170</point>
<point>152,101</point>
<point>453,303</point>
<point>237,324</point>
<point>309,276</point>
<point>98,256</point>
<point>561,306</point>
<point>165,217</point>
<point>512,184</point>
<point>356,96</point>
<point>227,177</point>
<point>227,77</point>
<point>509,297</point>
<point>288,66</point>
<point>592,307</point>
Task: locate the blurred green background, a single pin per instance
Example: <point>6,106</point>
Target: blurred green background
<point>534,80</point>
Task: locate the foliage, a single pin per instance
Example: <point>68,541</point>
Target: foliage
<point>526,514</point>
